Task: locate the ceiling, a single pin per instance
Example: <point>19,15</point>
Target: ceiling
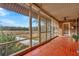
<point>61,10</point>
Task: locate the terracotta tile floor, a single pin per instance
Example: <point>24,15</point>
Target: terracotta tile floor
<point>60,46</point>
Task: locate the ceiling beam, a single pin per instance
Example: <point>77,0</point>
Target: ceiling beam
<point>45,11</point>
<point>71,20</point>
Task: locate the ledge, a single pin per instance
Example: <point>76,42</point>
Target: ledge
<point>26,50</point>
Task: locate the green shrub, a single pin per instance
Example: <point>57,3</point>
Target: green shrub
<point>6,37</point>
<point>76,37</point>
<point>11,47</point>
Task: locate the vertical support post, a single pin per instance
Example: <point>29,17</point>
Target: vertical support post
<point>69,29</point>
<point>46,29</point>
<point>6,47</point>
<point>30,23</point>
<point>53,28</point>
<point>39,29</point>
<point>50,29</point>
<point>78,26</point>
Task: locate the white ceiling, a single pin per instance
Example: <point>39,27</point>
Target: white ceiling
<point>61,10</point>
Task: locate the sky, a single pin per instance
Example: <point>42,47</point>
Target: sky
<point>11,18</point>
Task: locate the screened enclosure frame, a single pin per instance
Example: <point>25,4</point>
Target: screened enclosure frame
<point>39,16</point>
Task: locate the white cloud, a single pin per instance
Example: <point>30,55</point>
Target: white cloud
<point>1,9</point>
<point>7,22</point>
<point>3,12</point>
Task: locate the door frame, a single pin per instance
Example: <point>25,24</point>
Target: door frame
<point>68,23</point>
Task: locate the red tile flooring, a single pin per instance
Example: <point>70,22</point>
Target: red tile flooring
<point>60,46</point>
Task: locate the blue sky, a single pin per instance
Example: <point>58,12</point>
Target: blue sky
<point>11,18</point>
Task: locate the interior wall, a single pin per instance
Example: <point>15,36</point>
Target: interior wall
<point>73,27</point>
<point>78,26</point>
